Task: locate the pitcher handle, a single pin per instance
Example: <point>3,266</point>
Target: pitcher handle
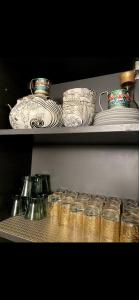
<point>102,93</point>
<point>137,106</point>
<point>30,85</point>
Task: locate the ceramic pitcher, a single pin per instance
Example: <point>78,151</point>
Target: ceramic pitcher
<point>116,98</point>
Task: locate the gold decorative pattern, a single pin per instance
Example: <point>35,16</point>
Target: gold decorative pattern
<point>33,231</point>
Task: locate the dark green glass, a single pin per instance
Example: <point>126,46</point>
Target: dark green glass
<point>26,192</point>
<point>40,185</point>
<point>36,186</point>
<point>17,208</point>
<point>45,205</point>
<point>35,210</point>
<point>46,184</point>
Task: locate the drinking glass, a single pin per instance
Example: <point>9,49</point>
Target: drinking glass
<point>17,208</point>
<point>35,210</point>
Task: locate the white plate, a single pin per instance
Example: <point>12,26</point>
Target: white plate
<point>118,111</point>
<point>115,122</point>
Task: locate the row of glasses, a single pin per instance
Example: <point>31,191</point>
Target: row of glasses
<point>91,218</point>
<point>81,216</point>
<point>32,198</point>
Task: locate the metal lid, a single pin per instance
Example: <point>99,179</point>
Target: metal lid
<point>128,76</point>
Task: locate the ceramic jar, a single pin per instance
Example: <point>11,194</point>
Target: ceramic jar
<point>78,107</point>
<point>36,110</point>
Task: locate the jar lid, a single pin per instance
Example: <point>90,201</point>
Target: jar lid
<point>128,76</point>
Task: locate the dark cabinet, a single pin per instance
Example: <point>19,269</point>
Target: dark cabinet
<point>101,159</point>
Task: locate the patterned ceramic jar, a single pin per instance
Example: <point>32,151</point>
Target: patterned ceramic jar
<point>37,110</point>
<point>116,98</point>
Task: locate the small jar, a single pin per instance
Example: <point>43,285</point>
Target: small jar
<point>129,228</point>
<point>92,222</point>
<point>110,225</point>
<point>76,221</point>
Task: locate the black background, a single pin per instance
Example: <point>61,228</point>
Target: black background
<point>62,69</point>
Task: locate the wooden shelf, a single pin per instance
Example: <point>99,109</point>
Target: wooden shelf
<point>108,134</point>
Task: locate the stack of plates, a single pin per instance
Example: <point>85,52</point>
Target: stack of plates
<point>117,116</point>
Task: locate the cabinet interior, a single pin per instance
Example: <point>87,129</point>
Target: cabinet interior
<point>103,169</point>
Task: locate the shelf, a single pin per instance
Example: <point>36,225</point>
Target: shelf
<point>18,230</point>
<point>108,134</point>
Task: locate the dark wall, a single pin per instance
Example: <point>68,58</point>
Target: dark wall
<point>15,162</point>
<point>10,91</point>
<point>62,69</point>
